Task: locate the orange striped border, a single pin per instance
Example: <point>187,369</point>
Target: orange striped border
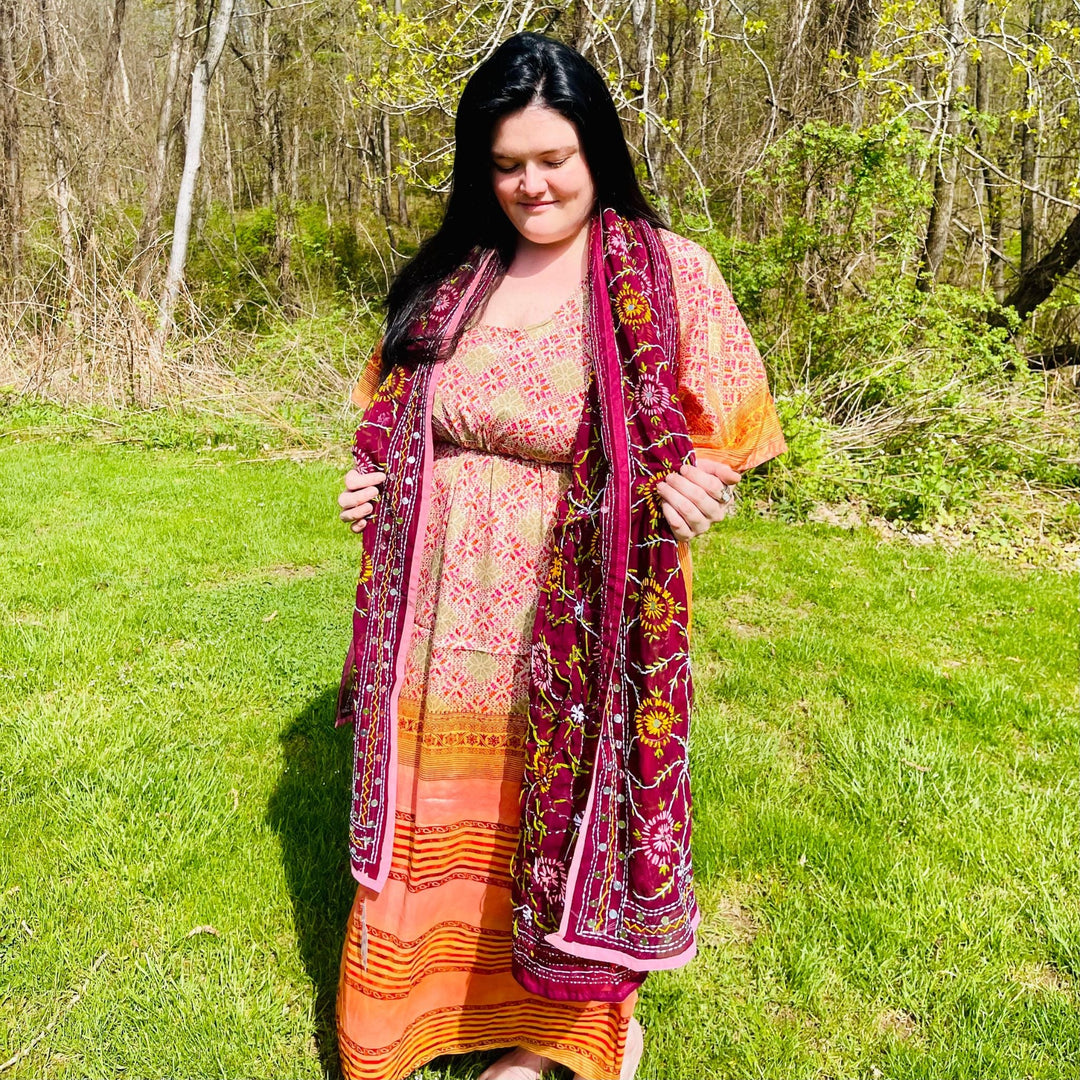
<point>395,966</point>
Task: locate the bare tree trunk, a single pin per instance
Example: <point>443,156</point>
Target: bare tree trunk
<point>997,234</point>
<point>294,165</point>
<point>643,16</point>
<point>270,106</point>
<point>402,208</point>
<point>1028,149</point>
<point>858,41</point>
<point>88,240</point>
<point>994,260</point>
<point>146,247</point>
<point>196,33</point>
<point>283,216</point>
<point>941,212</point>
<point>200,88</point>
<point>125,85</point>
<point>60,189</point>
<point>402,201</point>
<point>263,108</point>
<point>793,58</point>
<point>10,166</point>
<point>226,146</point>
<point>112,52</point>
<point>386,148</point>
<point>1034,285</point>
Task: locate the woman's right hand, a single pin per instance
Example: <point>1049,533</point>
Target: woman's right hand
<point>359,497</point>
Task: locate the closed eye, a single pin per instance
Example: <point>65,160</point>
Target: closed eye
<point>517,165</point>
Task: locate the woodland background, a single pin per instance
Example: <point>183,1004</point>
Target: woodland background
<point>885,760</point>
<point>202,203</point>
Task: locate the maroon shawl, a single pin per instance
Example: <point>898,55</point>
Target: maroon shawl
<point>602,884</point>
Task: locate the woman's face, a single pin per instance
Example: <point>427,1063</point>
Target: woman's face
<point>540,175</point>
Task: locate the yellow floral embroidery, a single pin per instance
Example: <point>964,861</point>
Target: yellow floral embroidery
<point>632,307</point>
<point>545,771</point>
<point>647,490</point>
<point>654,720</point>
<point>365,567</point>
<point>554,574</point>
<point>658,608</point>
<point>392,386</point>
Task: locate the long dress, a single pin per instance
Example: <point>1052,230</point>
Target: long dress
<point>437,975</point>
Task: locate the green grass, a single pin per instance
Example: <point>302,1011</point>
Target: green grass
<point>885,768</point>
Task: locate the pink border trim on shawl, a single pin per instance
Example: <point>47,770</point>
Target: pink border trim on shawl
<point>618,440</point>
<point>609,383</point>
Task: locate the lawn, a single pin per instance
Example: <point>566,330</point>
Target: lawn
<point>885,768</point>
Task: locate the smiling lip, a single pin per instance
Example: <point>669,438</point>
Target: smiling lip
<point>535,205</point>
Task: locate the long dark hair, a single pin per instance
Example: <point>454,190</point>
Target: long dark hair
<point>525,69</point>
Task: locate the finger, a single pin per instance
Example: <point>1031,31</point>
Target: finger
<point>686,507</point>
<point>358,526</point>
<point>709,481</point>
<point>703,505</point>
<point>679,529</point>
<point>719,469</point>
<point>355,479</point>
<point>710,498</point>
<point>348,499</point>
<point>356,512</point>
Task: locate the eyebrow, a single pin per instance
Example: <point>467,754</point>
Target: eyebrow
<point>554,150</point>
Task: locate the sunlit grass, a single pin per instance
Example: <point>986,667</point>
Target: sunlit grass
<point>885,778</point>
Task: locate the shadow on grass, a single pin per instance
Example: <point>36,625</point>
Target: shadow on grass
<point>309,810</point>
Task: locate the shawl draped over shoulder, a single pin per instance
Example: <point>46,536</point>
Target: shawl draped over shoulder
<point>602,881</point>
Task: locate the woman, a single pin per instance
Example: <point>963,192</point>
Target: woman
<point>566,392</point>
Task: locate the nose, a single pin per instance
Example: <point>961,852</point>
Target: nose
<point>532,180</point>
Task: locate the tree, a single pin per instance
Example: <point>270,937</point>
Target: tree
<point>105,105</point>
<point>1029,137</point>
<point>264,58</point>
<point>773,118</point>
<point>939,226</point>
<point>60,187</point>
<point>146,245</point>
<point>196,127</point>
<point>10,166</point>
<point>1035,284</point>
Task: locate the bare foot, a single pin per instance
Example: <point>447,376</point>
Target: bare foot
<point>635,1047</point>
<point>519,1064</point>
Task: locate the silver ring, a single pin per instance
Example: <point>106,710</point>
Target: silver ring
<point>727,494</point>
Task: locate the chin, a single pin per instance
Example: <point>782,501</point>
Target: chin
<point>543,236</point>
<point>548,232</point>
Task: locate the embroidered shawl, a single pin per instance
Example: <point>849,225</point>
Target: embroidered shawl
<point>602,883</point>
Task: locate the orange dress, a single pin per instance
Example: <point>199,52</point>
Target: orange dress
<point>506,410</point>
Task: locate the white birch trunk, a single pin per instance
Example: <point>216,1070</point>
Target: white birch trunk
<point>147,245</point>
<point>200,90</point>
<point>941,212</point>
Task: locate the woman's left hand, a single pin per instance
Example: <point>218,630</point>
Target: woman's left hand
<point>697,496</point>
